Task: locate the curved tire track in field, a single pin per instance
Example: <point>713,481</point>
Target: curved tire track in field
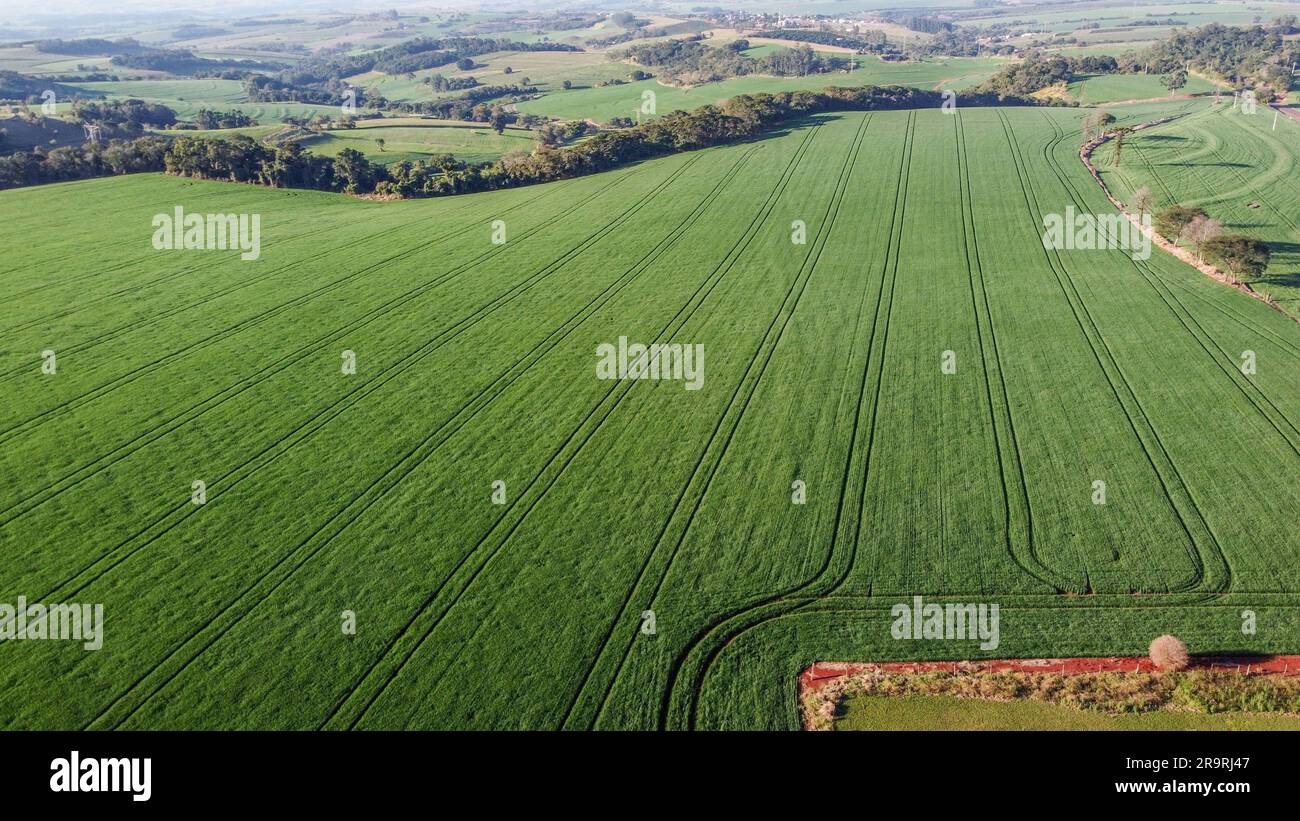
<point>417,456</point>
<point>775,333</point>
<point>1201,558</point>
<point>687,713</point>
<point>1285,344</point>
<point>1144,269</point>
<point>1027,556</point>
<point>621,389</point>
<point>680,694</point>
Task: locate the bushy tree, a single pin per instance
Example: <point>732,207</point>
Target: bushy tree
<point>1241,255</point>
<point>1171,221</point>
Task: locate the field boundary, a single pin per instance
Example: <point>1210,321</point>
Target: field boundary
<point>1085,154</point>
<point>819,674</point>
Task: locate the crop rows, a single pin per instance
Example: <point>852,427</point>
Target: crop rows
<point>372,493</point>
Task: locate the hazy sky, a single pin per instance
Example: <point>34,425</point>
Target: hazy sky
<point>23,11</point>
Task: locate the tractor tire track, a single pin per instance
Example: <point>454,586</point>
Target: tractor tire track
<point>235,390</point>
<point>408,463</point>
<point>593,421</point>
<point>677,699</point>
<point>1145,271</point>
<point>1030,562</point>
<point>244,470</point>
<point>796,291</point>
<point>1085,320</point>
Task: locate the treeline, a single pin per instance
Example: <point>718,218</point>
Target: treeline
<point>90,46</point>
<point>81,162</point>
<point>210,120</point>
<point>133,115</point>
<point>263,89</point>
<point>1037,72</point>
<point>442,84</point>
<point>1240,55</point>
<point>176,61</point>
<point>743,117</point>
<point>472,106</point>
<point>21,88</point>
<point>242,159</point>
<point>1239,254</point>
<point>926,25</point>
<point>690,61</point>
<point>402,58</point>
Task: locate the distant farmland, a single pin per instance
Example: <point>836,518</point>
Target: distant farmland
<point>373,493</point>
<point>602,103</point>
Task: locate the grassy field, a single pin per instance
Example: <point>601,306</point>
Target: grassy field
<point>187,97</point>
<point>1225,161</point>
<point>603,104</point>
<point>414,139</point>
<point>1107,88</point>
<point>949,713</point>
<point>373,493</point>
<point>545,69</point>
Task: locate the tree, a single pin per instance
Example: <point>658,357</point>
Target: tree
<point>1171,221</point>
<point>1174,80</point>
<point>509,70</point>
<point>568,84</point>
<point>1241,255</point>
<point>1199,231</point>
<point>1119,134</point>
<point>381,142</point>
<point>1143,201</point>
<point>353,173</point>
<point>464,64</point>
<point>1095,124</point>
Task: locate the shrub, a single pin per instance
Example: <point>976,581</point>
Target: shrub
<point>1169,653</point>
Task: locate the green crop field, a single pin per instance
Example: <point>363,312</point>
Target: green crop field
<point>187,97</point>
<point>605,103</point>
<point>1108,88</point>
<point>546,70</point>
<point>415,139</point>
<point>1243,169</point>
<point>526,604</point>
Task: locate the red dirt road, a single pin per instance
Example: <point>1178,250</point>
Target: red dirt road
<point>823,672</point>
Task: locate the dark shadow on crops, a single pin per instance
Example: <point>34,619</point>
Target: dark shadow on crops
<point>1288,280</point>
